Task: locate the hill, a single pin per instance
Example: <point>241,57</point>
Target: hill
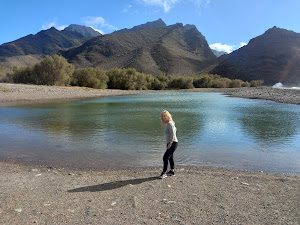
<point>174,49</point>
<point>273,57</point>
<point>45,42</point>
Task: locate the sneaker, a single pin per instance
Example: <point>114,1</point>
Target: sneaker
<point>171,173</point>
<point>162,176</point>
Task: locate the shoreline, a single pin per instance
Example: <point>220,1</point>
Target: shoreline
<point>41,194</point>
<point>24,93</point>
<point>196,195</point>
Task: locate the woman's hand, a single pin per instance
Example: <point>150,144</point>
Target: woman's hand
<point>169,145</point>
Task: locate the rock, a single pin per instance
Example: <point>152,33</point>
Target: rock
<point>170,202</point>
<point>34,170</point>
<point>235,178</point>
<point>113,203</point>
<point>18,210</point>
<point>135,202</point>
<point>90,212</point>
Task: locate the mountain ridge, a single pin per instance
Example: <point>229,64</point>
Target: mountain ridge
<point>273,57</point>
<point>149,50</point>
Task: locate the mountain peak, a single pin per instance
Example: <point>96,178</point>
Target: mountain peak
<point>189,26</point>
<point>86,31</point>
<point>154,24</point>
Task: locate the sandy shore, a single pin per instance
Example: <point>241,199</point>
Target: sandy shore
<point>40,195</point>
<point>33,194</point>
<point>24,92</point>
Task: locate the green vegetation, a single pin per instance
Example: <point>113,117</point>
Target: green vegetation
<point>4,73</point>
<point>55,70</point>
<point>89,77</point>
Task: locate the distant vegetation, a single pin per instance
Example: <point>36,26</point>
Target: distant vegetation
<point>55,70</point>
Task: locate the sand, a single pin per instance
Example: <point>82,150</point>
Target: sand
<point>41,195</point>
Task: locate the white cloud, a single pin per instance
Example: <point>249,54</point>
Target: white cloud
<point>127,8</point>
<point>46,26</point>
<point>222,48</point>
<point>98,23</point>
<point>226,48</point>
<point>242,44</point>
<point>166,4</point>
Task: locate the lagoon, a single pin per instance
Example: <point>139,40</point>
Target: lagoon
<point>125,131</point>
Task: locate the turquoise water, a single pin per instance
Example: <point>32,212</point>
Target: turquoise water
<point>125,131</point>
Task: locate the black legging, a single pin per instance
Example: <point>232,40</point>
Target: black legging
<point>168,156</point>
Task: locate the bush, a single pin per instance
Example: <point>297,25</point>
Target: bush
<point>256,83</point>
<point>5,73</point>
<point>204,81</point>
<point>90,77</point>
<point>53,70</point>
<point>182,82</point>
<point>24,75</point>
<point>129,79</point>
<point>235,83</point>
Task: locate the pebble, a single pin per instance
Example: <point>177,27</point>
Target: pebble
<point>135,201</point>
<point>18,210</point>
<point>113,203</point>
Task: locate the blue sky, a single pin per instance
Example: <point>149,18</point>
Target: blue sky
<point>226,24</point>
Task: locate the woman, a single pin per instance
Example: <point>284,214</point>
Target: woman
<point>172,141</point>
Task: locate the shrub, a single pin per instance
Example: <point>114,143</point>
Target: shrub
<point>53,70</point>
<point>90,77</point>
<point>129,79</point>
<point>24,75</point>
<point>235,83</point>
<point>5,73</point>
<point>256,83</point>
<point>182,82</point>
<point>203,81</point>
<point>221,83</point>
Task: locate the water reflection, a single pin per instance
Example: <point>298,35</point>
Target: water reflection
<point>270,124</point>
<point>126,131</point>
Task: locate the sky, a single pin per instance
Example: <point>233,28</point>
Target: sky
<point>226,24</point>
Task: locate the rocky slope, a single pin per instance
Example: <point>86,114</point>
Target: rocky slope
<point>174,50</point>
<point>273,57</point>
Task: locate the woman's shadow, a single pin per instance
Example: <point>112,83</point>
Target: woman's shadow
<point>112,185</point>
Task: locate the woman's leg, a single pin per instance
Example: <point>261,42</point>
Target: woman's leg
<point>168,156</point>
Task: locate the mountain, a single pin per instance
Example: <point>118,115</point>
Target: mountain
<point>169,49</point>
<point>273,57</point>
<point>44,42</point>
<point>219,53</point>
<point>154,24</point>
<point>86,31</point>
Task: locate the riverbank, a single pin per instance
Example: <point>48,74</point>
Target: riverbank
<point>40,195</point>
<point>25,92</point>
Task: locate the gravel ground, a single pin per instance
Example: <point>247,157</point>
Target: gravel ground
<point>291,96</point>
<point>40,195</point>
<point>25,92</point>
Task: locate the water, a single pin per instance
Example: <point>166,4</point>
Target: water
<point>125,131</point>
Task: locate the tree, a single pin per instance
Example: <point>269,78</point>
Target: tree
<point>53,70</point>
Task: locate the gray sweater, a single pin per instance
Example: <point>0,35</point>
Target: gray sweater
<point>170,131</point>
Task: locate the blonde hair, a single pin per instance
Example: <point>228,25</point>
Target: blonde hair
<point>165,112</point>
